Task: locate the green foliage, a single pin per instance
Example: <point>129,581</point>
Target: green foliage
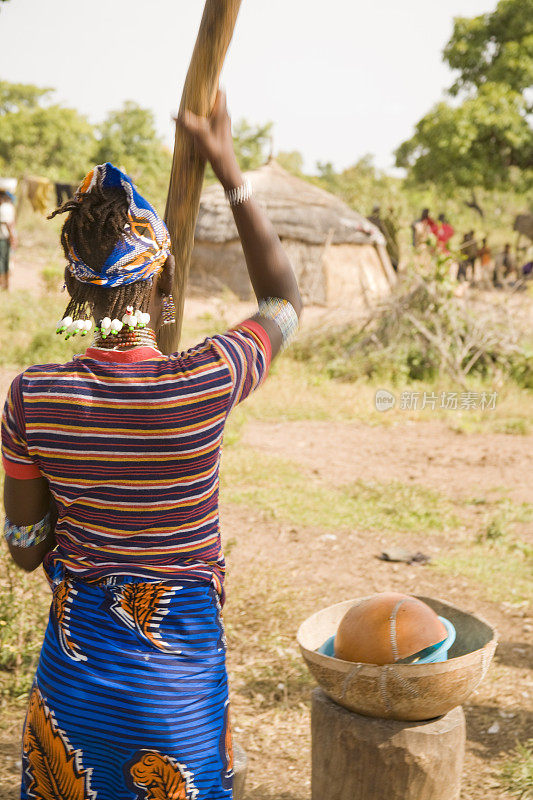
<point>495,550</point>
<point>40,139</point>
<point>252,143</point>
<point>493,48</point>
<point>360,184</point>
<point>501,569</point>
<point>14,96</point>
<point>28,337</point>
<point>23,614</point>
<point>52,277</point>
<point>487,140</point>
<point>292,161</point>
<point>497,526</point>
<point>128,139</point>
<point>24,604</point>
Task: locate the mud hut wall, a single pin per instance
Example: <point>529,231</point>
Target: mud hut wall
<point>215,265</point>
<point>340,275</point>
<point>355,275</point>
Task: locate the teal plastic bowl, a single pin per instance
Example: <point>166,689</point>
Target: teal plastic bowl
<point>431,655</point>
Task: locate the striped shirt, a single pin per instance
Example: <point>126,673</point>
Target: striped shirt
<point>130,445</point>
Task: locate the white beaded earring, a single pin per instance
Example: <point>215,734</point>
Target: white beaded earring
<point>130,319</point>
<point>71,327</point>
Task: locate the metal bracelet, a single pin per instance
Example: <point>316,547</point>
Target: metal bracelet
<point>283,314</point>
<point>239,194</point>
<point>27,535</point>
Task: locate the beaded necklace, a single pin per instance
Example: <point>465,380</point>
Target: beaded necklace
<point>124,339</point>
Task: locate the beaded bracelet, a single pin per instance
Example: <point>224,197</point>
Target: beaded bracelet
<point>27,535</point>
<point>239,194</point>
<point>283,314</point>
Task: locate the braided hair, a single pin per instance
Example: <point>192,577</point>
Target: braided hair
<point>95,223</point>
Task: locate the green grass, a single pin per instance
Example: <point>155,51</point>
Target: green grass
<point>282,490</point>
<point>501,569</point>
<point>28,324</point>
<point>27,331</point>
<point>294,392</point>
<point>507,516</point>
<point>495,557</point>
<point>516,773</point>
<point>52,277</point>
<point>24,603</point>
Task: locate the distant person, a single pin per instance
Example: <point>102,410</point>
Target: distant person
<point>484,255</point>
<point>375,217</point>
<point>527,271</point>
<point>390,224</point>
<point>7,236</point>
<point>388,227</point>
<point>504,266</point>
<point>443,232</point>
<point>422,229</point>
<point>468,250</point>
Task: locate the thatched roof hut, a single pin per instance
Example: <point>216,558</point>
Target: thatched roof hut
<point>339,257</point>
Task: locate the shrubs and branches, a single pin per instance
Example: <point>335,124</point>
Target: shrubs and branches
<point>422,331</point>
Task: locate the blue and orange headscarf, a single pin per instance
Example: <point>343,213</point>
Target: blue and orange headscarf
<point>143,249</point>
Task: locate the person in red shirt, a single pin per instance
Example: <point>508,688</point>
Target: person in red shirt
<point>443,232</point>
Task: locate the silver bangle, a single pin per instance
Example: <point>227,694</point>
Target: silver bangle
<point>283,314</point>
<point>239,194</point>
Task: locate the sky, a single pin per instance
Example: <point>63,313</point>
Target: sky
<point>339,79</point>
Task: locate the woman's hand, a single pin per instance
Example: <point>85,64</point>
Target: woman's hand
<point>212,136</point>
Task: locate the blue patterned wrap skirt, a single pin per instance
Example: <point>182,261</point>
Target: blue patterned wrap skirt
<point>130,698</point>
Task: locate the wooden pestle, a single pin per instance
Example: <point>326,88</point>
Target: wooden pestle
<point>187,174</point>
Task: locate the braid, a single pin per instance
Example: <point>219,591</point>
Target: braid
<point>95,223</point>
<point>84,297</point>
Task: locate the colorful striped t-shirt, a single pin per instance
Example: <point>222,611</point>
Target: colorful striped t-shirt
<point>130,445</point>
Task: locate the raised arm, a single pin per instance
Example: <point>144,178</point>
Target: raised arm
<point>269,268</point>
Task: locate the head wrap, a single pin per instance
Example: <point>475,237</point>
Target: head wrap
<point>143,249</point>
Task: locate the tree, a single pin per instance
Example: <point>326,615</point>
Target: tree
<point>47,140</point>
<point>493,48</point>
<point>128,138</point>
<point>292,161</point>
<point>361,185</point>
<point>252,143</point>
<point>15,96</point>
<point>485,140</point>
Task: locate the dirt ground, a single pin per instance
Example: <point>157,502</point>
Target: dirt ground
<point>279,573</point>
<point>425,453</point>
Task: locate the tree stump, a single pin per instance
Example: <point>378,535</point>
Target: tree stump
<point>240,767</point>
<point>364,758</point>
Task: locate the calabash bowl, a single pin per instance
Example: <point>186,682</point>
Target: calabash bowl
<point>401,691</point>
